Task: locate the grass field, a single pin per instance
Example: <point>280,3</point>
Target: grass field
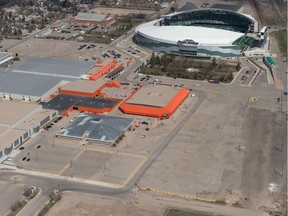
<point>281,37</point>
<point>176,212</point>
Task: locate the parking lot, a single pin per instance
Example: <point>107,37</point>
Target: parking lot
<point>128,46</point>
<point>70,50</point>
<point>77,158</point>
<point>103,165</point>
<point>246,75</point>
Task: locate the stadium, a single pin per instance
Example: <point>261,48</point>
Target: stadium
<point>199,32</point>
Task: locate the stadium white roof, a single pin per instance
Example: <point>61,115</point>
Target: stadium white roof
<point>202,35</point>
<point>90,16</point>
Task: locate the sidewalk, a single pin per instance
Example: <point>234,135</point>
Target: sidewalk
<point>34,206</point>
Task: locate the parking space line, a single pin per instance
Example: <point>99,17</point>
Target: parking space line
<point>134,171</point>
<point>120,153</point>
<point>69,163</point>
<point>143,157</point>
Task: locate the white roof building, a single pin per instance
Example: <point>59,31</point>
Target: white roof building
<point>201,35</point>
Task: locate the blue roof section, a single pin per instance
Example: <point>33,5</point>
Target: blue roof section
<point>55,67</point>
<point>227,7</point>
<point>98,127</point>
<point>187,6</point>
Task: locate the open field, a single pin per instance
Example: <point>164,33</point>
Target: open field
<point>54,49</point>
<point>214,161</point>
<point>281,37</point>
<point>176,212</point>
<point>106,36</point>
<point>14,191</point>
<point>121,11</point>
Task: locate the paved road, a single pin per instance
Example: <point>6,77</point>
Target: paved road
<point>35,205</point>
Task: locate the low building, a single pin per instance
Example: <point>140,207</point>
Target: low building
<point>87,88</point>
<point>100,128</point>
<point>28,87</point>
<point>54,67</point>
<point>58,26</point>
<point>19,125</point>
<point>158,101</point>
<point>65,104</point>
<point>92,19</point>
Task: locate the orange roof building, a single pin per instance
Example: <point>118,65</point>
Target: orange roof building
<point>87,88</point>
<point>155,101</point>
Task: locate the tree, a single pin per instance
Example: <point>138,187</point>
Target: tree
<point>238,66</point>
<point>214,63</point>
<point>157,60</point>
<point>152,60</point>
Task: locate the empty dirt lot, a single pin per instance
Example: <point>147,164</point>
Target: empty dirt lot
<point>121,11</point>
<point>219,151</point>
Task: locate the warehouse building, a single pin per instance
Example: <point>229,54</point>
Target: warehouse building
<point>37,78</point>
<point>55,67</point>
<point>158,101</point>
<point>65,104</point>
<point>92,19</point>
<point>100,128</point>
<point>19,125</point>
<point>28,87</point>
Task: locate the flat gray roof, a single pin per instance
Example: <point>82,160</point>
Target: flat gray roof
<point>84,85</point>
<point>27,84</point>
<point>96,127</point>
<point>158,96</point>
<point>90,16</point>
<point>55,67</point>
<point>11,112</point>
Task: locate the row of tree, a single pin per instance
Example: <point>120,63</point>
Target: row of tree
<point>176,67</point>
